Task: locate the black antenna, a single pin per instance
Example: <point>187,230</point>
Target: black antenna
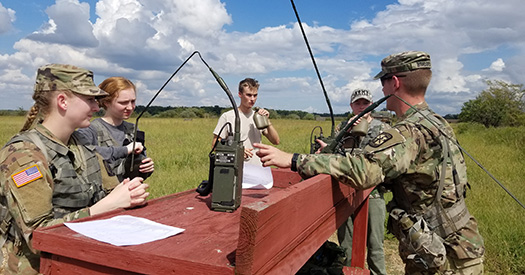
<point>151,101</point>
<point>331,148</point>
<point>237,133</point>
<point>316,69</point>
<point>221,82</point>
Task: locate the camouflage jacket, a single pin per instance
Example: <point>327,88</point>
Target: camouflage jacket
<point>408,155</point>
<point>40,190</point>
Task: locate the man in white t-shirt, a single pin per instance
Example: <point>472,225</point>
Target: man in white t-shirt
<point>248,89</point>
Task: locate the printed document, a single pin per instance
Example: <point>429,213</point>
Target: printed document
<point>124,230</point>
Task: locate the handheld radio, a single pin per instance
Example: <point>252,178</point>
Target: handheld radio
<point>226,164</point>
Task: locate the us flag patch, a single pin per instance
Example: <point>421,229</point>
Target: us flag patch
<point>26,176</point>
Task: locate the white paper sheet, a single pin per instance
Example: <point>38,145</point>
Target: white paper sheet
<point>256,177</point>
<point>124,230</point>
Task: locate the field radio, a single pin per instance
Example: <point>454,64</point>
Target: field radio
<point>225,175</point>
<point>226,159</point>
<point>226,163</point>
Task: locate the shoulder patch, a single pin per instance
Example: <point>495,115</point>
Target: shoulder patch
<point>385,140</point>
<point>26,176</point>
<point>380,139</point>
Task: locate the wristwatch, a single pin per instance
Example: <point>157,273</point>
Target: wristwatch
<point>294,162</point>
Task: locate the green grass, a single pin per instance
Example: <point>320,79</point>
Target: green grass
<point>500,217</point>
<point>180,150</point>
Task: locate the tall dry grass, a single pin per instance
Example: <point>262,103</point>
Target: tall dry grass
<point>180,150</point>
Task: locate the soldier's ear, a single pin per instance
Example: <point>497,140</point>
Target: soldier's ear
<point>62,101</point>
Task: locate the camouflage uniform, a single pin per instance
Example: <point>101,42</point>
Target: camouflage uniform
<point>408,156</point>
<point>376,209</point>
<point>416,160</point>
<point>64,179</point>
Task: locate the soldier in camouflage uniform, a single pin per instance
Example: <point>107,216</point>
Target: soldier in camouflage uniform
<point>420,160</point>
<point>47,175</point>
<point>359,101</point>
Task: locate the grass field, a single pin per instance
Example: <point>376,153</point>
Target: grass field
<point>180,150</point>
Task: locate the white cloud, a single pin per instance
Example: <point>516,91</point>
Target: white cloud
<point>68,24</point>
<point>147,40</point>
<point>7,17</point>
<point>497,65</point>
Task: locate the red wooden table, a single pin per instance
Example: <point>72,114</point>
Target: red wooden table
<point>273,232</point>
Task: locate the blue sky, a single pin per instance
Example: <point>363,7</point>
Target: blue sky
<point>147,40</point>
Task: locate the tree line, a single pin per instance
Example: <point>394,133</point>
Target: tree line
<point>500,104</point>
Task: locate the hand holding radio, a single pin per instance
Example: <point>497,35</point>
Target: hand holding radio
<point>135,150</point>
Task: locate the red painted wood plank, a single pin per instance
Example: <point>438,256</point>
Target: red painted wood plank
<point>332,219</point>
<point>283,178</point>
<point>283,223</point>
<point>361,230</point>
<point>54,264</point>
<point>355,271</point>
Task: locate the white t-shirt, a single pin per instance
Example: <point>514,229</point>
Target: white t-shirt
<point>249,133</point>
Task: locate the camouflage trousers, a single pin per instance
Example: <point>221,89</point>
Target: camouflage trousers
<point>20,262</point>
<point>452,266</point>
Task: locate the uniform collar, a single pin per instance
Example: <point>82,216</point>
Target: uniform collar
<point>417,107</point>
<point>55,144</point>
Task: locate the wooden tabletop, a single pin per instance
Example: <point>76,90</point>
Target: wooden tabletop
<point>207,246</point>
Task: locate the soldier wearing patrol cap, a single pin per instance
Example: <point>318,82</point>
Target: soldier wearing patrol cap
<point>419,159</point>
<point>375,256</point>
<point>47,174</point>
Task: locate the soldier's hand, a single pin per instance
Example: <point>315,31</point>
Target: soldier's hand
<point>322,145</point>
<point>137,192</point>
<point>272,156</point>
<point>248,153</point>
<point>147,166</point>
<point>355,123</point>
<point>128,193</point>
<point>137,150</point>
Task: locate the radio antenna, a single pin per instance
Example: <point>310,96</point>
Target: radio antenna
<point>316,69</point>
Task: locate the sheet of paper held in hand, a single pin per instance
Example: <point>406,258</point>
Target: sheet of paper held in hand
<point>256,177</point>
<point>124,230</point>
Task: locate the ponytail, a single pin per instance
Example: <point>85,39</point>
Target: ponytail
<point>31,116</point>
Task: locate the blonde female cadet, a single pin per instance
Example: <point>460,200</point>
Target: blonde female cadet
<point>47,175</point>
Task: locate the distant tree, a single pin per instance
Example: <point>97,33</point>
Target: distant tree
<point>500,104</point>
<point>168,114</point>
<point>309,116</point>
<point>188,113</point>
<point>274,114</point>
<point>293,116</point>
<point>20,111</point>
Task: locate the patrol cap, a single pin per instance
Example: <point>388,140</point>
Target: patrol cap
<point>404,62</point>
<point>360,93</point>
<point>55,77</point>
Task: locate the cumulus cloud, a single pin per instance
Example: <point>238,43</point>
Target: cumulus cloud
<point>147,40</point>
<point>68,24</point>
<point>7,17</point>
<point>497,65</point>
